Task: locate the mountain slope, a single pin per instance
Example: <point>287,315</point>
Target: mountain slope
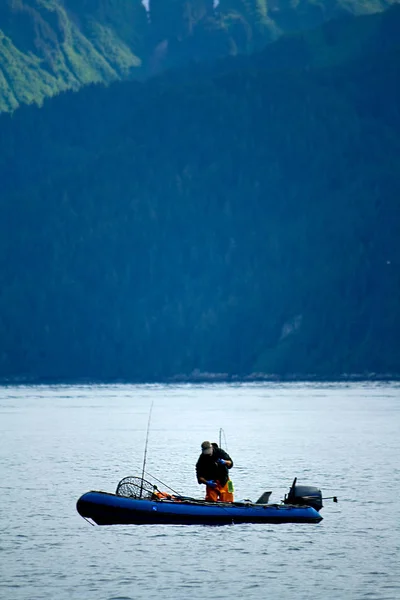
<point>46,47</point>
<point>234,219</point>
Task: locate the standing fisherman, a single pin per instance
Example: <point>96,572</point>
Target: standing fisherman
<point>212,470</point>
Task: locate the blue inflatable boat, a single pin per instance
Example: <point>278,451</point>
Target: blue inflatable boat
<point>137,502</point>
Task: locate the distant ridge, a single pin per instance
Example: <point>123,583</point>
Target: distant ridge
<point>49,46</point>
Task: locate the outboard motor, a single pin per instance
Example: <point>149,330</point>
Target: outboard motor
<point>304,495</point>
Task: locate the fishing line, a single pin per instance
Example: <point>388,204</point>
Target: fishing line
<point>162,483</point>
<point>145,449</point>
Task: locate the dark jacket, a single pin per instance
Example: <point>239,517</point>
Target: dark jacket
<point>208,467</point>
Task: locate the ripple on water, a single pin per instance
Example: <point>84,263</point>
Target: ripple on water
<point>57,443</point>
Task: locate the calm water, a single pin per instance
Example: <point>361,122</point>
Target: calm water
<point>59,442</point>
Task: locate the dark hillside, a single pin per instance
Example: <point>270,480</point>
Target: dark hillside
<point>241,219</point>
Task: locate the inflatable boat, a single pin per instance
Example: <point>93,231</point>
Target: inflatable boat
<point>137,502</point>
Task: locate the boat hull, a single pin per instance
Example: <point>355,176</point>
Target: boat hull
<point>109,509</point>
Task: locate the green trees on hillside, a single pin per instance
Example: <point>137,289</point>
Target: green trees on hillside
<point>177,18</point>
<point>254,11</point>
<point>251,20</point>
<point>234,218</point>
<point>47,46</point>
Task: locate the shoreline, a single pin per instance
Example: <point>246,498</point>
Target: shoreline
<point>204,378</point>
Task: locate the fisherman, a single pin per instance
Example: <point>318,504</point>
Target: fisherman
<point>212,470</point>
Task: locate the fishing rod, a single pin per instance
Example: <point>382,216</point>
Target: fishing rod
<point>144,461</point>
<point>221,431</point>
<point>145,450</point>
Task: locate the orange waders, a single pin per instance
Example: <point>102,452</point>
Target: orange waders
<point>222,494</point>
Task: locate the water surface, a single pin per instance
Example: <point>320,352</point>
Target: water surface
<point>59,442</point>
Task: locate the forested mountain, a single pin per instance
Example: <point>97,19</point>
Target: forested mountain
<point>47,46</point>
<point>239,217</point>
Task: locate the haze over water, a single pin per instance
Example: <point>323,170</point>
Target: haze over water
<point>58,442</point>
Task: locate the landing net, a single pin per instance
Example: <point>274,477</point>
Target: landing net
<point>134,487</point>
